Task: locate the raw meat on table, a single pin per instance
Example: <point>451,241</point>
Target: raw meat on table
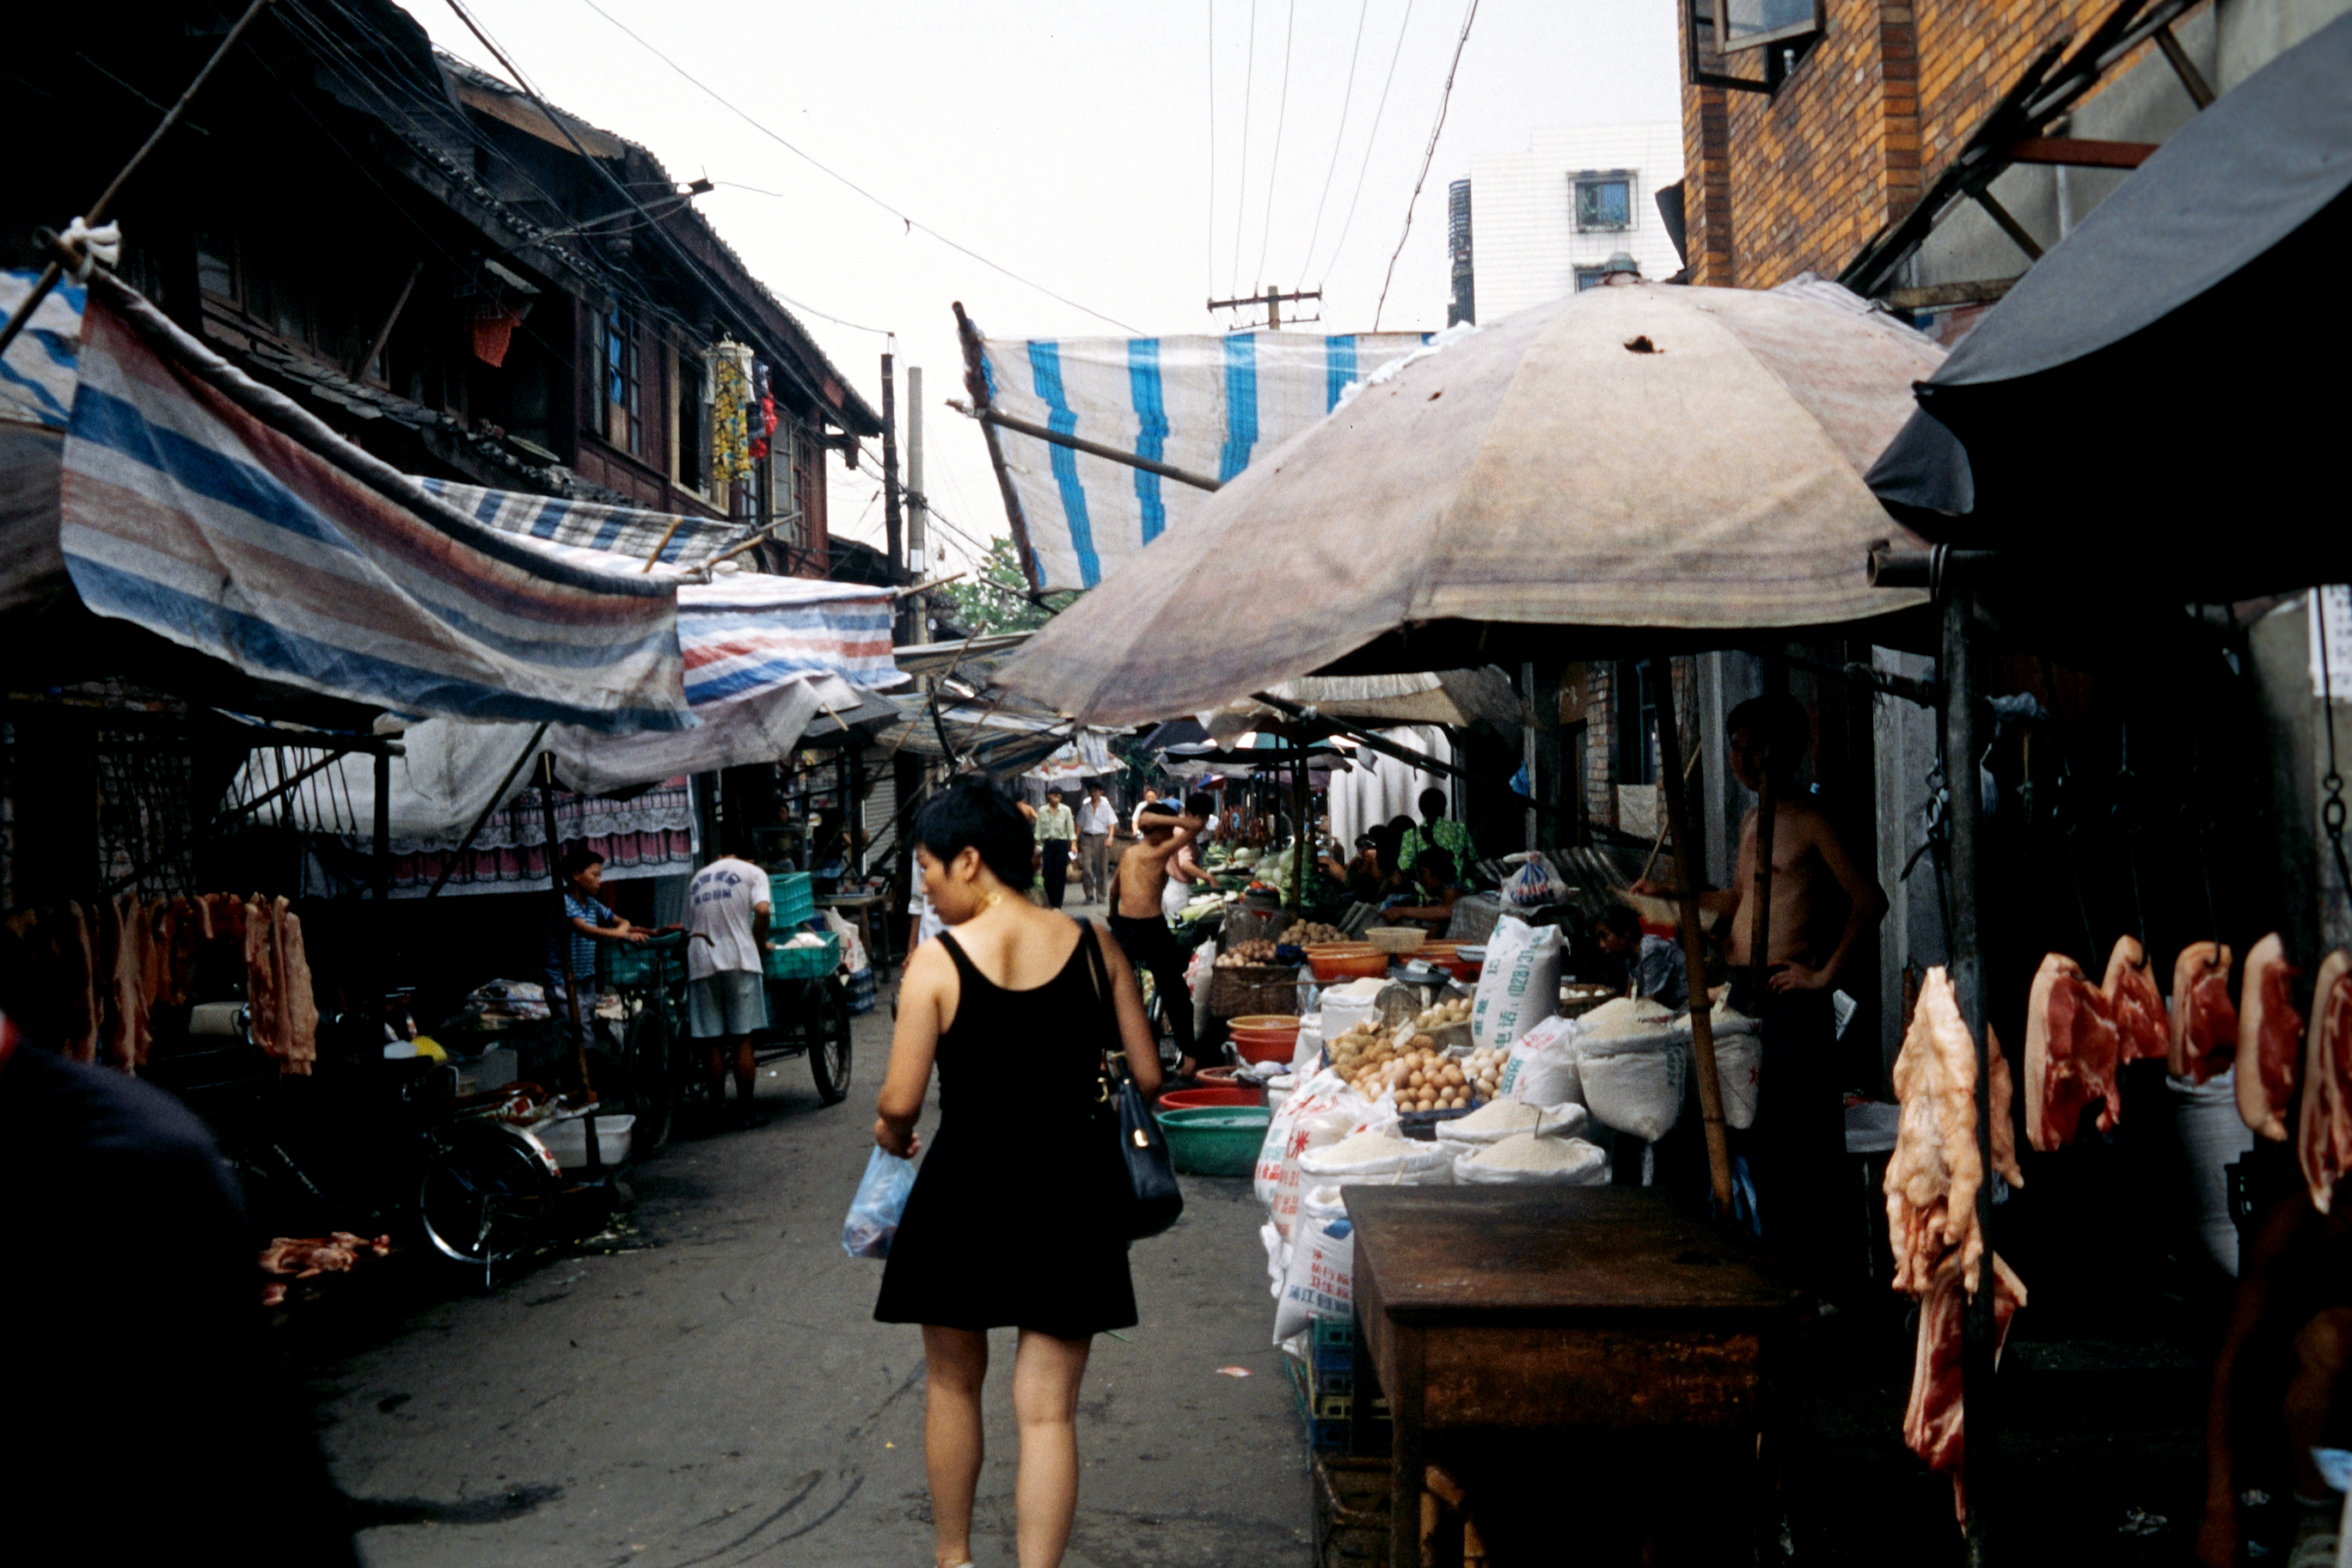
<point>2323,1136</point>
<point>2204,1033</point>
<point>2073,1048</point>
<point>2270,1037</point>
<point>1933,1423</point>
<point>2136,1003</point>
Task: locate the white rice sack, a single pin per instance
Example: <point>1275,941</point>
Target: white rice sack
<point>1380,1156</point>
<point>1500,1119</point>
<point>1739,1060</point>
<point>1526,1159</point>
<point>1323,1111</point>
<point>1636,1091</point>
<point>1307,1054</point>
<point>1277,1259</point>
<point>1320,1282</point>
<point>1541,1067</point>
<point>1628,1022</point>
<point>1519,987</point>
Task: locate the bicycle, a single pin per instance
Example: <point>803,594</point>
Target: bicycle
<point>661,1064</point>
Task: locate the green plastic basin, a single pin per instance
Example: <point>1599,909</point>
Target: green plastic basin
<point>1215,1140</point>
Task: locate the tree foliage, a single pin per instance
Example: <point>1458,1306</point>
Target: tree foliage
<point>998,601</point>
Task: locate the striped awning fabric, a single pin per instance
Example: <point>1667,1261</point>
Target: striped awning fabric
<point>186,511</point>
<point>744,634</point>
<point>620,529</point>
<point>1208,405</point>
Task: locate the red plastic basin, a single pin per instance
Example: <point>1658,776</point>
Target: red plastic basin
<point>1179,1098</point>
<point>1280,1050</point>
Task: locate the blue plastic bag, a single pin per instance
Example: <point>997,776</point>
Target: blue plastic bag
<point>873,1212</point>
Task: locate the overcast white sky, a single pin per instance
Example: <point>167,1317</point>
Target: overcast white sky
<point>1070,143</point>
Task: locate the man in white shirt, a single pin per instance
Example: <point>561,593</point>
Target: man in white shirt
<point>1097,820</point>
<point>1056,830</point>
<point>1150,797</point>
<point>726,993</point>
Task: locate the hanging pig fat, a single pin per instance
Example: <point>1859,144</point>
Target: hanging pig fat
<point>2071,1050</point>
<point>1933,1175</point>
<point>2204,1033</point>
<point>2135,1003</point>
<point>2324,1138</point>
<point>2270,1036</point>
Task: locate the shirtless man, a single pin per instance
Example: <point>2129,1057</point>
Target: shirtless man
<point>1823,904</point>
<point>1135,914</point>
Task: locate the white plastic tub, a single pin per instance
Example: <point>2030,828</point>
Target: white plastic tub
<point>567,1139</point>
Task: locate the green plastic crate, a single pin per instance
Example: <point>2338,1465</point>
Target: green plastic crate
<point>633,965</point>
<point>792,898</point>
<point>804,962</point>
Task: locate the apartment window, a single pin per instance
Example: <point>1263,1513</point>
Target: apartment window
<point>1604,202</point>
<point>1590,277</point>
<point>693,426</point>
<point>1751,24</point>
<point>624,418</point>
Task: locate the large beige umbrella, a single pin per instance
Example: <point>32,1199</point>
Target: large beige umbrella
<point>1636,457</point>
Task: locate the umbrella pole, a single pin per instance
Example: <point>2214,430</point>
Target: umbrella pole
<point>1301,802</point>
<point>1979,1334</point>
<point>1710,1091</point>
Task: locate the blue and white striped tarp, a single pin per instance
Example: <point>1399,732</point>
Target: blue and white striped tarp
<point>622,530</point>
<point>37,374</point>
<point>1207,405</point>
<point>182,510</point>
<point>748,633</point>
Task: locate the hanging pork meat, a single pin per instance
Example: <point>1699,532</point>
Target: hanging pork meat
<point>2324,1134</point>
<point>2203,1037</point>
<point>2270,1037</point>
<point>2136,1006</point>
<point>1933,1423</point>
<point>2073,1048</point>
<point>1933,1175</point>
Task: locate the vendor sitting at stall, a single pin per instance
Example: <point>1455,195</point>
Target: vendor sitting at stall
<point>1436,830</point>
<point>586,921</point>
<point>1654,964</point>
<point>1433,874</point>
<point>1360,875</point>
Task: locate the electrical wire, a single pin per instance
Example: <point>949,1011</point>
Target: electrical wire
<point>1241,196</point>
<point>1281,117</point>
<point>911,223</point>
<point>1338,139</point>
<point>1428,157</point>
<point>1370,142</point>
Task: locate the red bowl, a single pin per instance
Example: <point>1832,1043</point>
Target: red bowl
<point>1179,1098</point>
<point>1280,1050</point>
<point>1219,1077</point>
<point>1350,966</point>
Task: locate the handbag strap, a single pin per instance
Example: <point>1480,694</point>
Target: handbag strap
<point>1099,973</point>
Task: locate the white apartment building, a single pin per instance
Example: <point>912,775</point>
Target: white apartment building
<point>1543,223</point>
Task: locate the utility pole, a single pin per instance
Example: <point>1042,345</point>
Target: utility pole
<point>891,544</point>
<point>918,558</point>
<point>1273,301</point>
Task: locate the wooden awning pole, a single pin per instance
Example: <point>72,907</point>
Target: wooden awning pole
<point>1957,674</point>
<point>1710,1088</point>
<point>1768,812</point>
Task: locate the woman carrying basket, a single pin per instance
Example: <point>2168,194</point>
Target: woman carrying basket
<point>1018,1216</point>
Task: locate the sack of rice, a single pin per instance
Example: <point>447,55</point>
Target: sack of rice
<point>1529,1158</point>
<point>1541,1068</point>
<point>1635,1083</point>
<point>1739,1060</point>
<point>1520,984</point>
<point>1500,1119</point>
<point>1320,1282</point>
<point>1627,1022</point>
<point>1378,1155</point>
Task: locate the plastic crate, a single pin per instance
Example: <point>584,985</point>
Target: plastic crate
<point>792,898</point>
<point>804,962</point>
<point>635,965</point>
<point>1352,1511</point>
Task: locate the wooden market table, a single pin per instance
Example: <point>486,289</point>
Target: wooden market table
<point>1593,1310</point>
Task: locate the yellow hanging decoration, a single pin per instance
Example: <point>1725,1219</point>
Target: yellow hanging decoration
<point>731,399</point>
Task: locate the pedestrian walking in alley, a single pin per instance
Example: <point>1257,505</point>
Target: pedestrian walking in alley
<point>1137,912</point>
<point>572,942</point>
<point>1016,1220</point>
<point>1097,820</point>
<point>1057,832</point>
<point>726,993</point>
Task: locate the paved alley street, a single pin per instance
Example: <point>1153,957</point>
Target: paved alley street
<point>720,1393</point>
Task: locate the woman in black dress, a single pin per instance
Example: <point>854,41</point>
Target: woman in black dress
<point>1014,1219</point>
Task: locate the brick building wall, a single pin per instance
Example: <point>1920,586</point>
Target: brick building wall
<point>1798,181</point>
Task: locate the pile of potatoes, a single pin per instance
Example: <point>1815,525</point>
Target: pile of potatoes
<point>1455,1011</point>
<point>1410,1063</point>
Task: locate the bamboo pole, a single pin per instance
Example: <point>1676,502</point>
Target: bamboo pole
<point>1710,1090</point>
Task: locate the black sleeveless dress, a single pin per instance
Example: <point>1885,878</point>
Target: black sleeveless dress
<point>1013,1222</point>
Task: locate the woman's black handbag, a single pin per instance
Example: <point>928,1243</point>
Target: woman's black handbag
<point>1155,1201</point>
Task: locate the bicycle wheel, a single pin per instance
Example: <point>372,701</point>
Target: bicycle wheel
<point>653,1083</point>
<point>826,1006</point>
<point>485,1193</point>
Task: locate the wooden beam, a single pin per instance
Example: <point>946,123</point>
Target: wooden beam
<point>1935,295</point>
<point>2080,152</point>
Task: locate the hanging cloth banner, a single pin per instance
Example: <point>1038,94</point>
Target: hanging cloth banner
<point>182,510</point>
<point>746,633</point>
<point>1209,406</point>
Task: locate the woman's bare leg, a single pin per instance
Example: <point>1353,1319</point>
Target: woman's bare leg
<point>1046,1373</point>
<point>955,1364</point>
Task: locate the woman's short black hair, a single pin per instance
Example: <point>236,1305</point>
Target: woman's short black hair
<point>973,812</point>
<point>1436,860</point>
<point>1620,922</point>
<point>578,859</point>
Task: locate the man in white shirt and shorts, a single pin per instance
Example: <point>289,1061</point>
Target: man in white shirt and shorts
<point>726,991</point>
